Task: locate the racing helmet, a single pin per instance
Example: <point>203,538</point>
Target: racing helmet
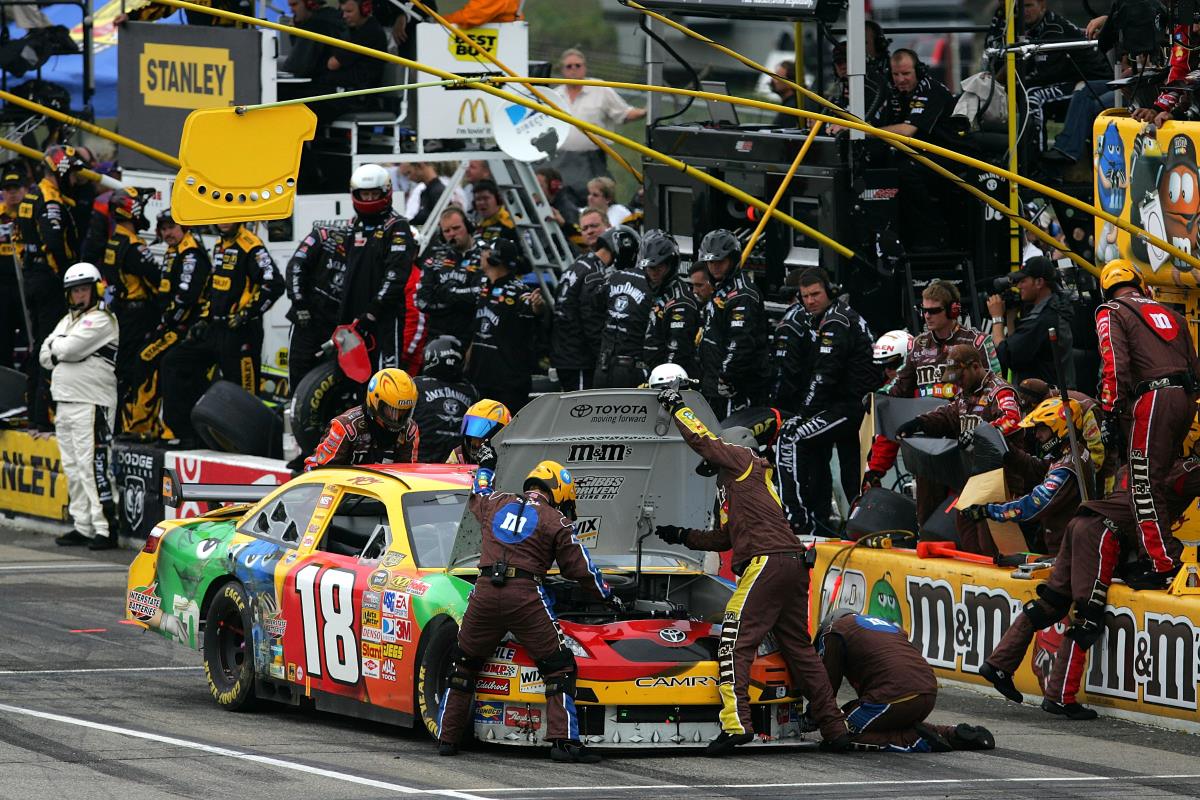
<point>483,421</point>
<point>658,248</point>
<point>717,245</point>
<point>443,359</point>
<point>554,479</point>
<point>128,204</point>
<point>1051,413</point>
<point>666,374</point>
<point>62,159</point>
<point>834,614</point>
<point>371,176</point>
<point>1121,272</point>
<point>891,349</point>
<point>83,274</point>
<point>742,437</point>
<point>622,241</point>
<point>391,398</point>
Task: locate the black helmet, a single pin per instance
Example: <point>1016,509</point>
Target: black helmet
<point>717,245</point>
<point>622,242</point>
<point>505,253</point>
<point>443,359</point>
<point>658,247</point>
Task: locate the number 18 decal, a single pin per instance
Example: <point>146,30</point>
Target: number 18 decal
<point>331,632</point>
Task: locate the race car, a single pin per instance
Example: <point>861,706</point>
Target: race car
<point>344,587</point>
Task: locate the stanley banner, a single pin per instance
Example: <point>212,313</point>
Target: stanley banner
<point>168,71</point>
<point>32,482</point>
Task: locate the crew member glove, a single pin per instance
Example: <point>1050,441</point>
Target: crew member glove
<point>302,316</point>
<point>966,440</point>
<point>977,512</point>
<point>872,479</point>
<point>238,320</point>
<point>911,428</point>
<point>670,399</point>
<point>364,325</point>
<point>724,389</point>
<point>671,534</point>
<point>485,457</point>
<point>1110,432</point>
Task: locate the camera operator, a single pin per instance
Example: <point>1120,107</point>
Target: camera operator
<point>1026,348</point>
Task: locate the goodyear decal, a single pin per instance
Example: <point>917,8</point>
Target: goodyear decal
<point>182,76</point>
<point>486,40</point>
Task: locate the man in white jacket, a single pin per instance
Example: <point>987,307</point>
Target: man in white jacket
<point>81,354</point>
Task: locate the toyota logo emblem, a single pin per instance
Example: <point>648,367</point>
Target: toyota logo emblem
<point>672,635</point>
<point>581,411</point>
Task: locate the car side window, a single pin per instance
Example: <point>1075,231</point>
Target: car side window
<point>284,518</point>
<point>359,527</point>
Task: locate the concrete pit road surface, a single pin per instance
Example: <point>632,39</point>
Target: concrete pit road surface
<point>92,708</point>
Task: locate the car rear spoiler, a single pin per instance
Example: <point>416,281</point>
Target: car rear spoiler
<point>175,493</point>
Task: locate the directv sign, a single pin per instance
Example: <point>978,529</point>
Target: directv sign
<point>444,113</point>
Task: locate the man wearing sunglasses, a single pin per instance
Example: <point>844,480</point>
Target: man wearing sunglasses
<point>922,376</point>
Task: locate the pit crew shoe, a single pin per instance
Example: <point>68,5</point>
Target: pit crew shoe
<point>839,745</point>
<point>72,539</point>
<point>1002,681</point>
<point>569,751</point>
<point>447,749</point>
<point>971,737</point>
<point>1073,711</point>
<point>725,742</point>
<point>937,742</point>
<point>102,543</point>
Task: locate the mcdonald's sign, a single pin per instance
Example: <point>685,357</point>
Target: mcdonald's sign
<point>475,110</point>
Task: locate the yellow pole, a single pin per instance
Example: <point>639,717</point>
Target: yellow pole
<point>484,86</point>
<point>1010,77</point>
<point>798,47</point>
<point>37,155</point>
<point>787,179</point>
<point>145,150</point>
<point>462,37</point>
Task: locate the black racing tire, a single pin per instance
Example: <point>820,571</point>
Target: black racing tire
<point>230,419</point>
<point>229,649</point>
<point>320,396</point>
<point>433,669</point>
<point>12,388</point>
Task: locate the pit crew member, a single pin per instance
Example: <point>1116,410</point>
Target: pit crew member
<point>443,398</point>
<point>482,421</point>
<point>450,278</point>
<point>626,298</point>
<point>315,278</point>
<point>579,312</point>
<point>674,313</point>
<point>380,431</point>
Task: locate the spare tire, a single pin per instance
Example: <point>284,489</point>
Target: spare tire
<point>230,419</point>
<point>320,396</point>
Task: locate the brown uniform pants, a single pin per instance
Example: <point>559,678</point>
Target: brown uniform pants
<point>772,595</point>
<point>890,726</point>
<point>520,607</point>
<point>1161,419</point>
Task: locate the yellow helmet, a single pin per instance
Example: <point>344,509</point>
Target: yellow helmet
<point>556,481</point>
<point>485,419</point>
<point>391,398</point>
<point>1050,412</point>
<point>1118,272</point>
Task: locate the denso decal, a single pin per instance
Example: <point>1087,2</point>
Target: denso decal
<point>675,681</point>
<point>492,685</point>
<point>372,635</point>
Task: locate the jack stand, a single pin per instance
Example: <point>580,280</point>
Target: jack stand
<point>1187,581</point>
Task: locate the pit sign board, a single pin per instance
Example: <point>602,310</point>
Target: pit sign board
<point>444,113</point>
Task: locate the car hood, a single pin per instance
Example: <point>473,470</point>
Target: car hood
<point>631,468</point>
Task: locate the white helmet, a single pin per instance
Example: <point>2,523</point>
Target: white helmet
<point>371,176</point>
<point>83,274</point>
<point>891,348</point>
<point>667,374</point>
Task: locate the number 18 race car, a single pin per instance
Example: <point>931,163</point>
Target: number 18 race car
<point>343,589</point>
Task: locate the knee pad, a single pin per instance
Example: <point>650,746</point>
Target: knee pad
<point>463,669</point>
<point>561,661</point>
<point>1041,615</point>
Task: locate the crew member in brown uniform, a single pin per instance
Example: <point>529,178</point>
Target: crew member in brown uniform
<point>772,588</point>
<point>1032,391</point>
<point>895,685</point>
<point>523,534</point>
<point>922,376</point>
<point>983,398</point>
<point>1083,571</point>
<point>1149,378</point>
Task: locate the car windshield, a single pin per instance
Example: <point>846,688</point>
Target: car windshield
<point>432,519</point>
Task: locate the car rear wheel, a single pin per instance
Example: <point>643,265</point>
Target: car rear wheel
<point>229,649</point>
<point>437,646</point>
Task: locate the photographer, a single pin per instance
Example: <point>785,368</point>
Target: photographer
<point>1026,348</point>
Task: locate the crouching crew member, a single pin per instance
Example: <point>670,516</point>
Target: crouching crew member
<point>772,589</point>
<point>81,355</point>
<point>522,535</point>
<point>481,422</point>
<point>380,431</point>
<point>895,685</point>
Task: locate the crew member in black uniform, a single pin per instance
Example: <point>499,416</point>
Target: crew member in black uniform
<point>443,398</point>
<point>131,269</point>
<point>500,361</point>
<point>836,361</point>
<point>12,312</point>
<point>674,314</point>
<point>48,244</point>
<point>627,300</point>
<point>241,287</point>
<point>450,278</point>
<point>737,330</point>
<point>316,281</point>
<point>579,321</point>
